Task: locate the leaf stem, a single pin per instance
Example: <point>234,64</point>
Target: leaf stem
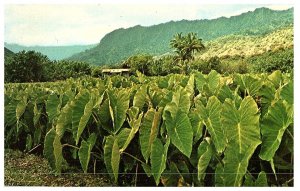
<point>34,148</point>
<point>290,134</point>
<point>68,145</point>
<point>133,157</point>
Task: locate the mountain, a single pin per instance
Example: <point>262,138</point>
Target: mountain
<point>53,52</point>
<point>8,53</point>
<point>122,43</point>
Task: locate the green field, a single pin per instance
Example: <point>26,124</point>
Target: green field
<point>174,130</point>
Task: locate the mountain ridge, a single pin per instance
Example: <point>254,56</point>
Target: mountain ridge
<point>122,43</point>
<point>52,52</point>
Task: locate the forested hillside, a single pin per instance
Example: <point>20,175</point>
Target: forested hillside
<point>122,43</point>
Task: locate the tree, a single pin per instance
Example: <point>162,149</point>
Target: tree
<point>185,47</point>
<point>139,62</point>
<point>25,67</point>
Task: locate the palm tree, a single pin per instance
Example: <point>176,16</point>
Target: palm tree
<point>185,47</point>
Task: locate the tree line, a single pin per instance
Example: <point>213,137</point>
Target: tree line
<point>31,66</point>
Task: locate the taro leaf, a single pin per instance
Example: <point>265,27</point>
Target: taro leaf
<point>180,130</point>
<point>149,130</point>
<point>211,118</point>
<point>180,101</point>
<point>204,155</point>
<point>248,83</point>
<point>196,123</point>
<point>81,112</point>
<point>134,122</point>
<point>147,169</point>
<point>177,121</point>
<point>261,180</point>
<point>64,119</point>
<point>172,177</point>
<point>57,151</point>
<point>213,81</point>
<point>249,180</point>
<point>48,147</point>
<point>273,126</point>
<point>242,130</point>
<point>53,105</point>
<point>189,88</point>
<point>200,81</point>
<point>158,158</point>
<point>112,157</point>
<point>84,152</point>
<point>10,113</point>
<point>225,92</point>
<point>287,93</point>
<point>140,97</point>
<point>20,109</point>
<point>118,105</point>
<point>122,137</point>
<point>267,94</point>
<point>275,78</point>
<point>37,114</point>
<point>104,116</point>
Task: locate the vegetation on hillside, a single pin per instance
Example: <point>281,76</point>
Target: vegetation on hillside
<point>123,43</point>
<point>246,46</point>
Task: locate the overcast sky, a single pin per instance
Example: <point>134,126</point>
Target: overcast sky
<point>87,24</point>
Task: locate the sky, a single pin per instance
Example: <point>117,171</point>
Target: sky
<point>74,24</point>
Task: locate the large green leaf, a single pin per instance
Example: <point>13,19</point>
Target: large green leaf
<point>140,97</point>
<point>196,123</point>
<point>118,105</point>
<point>204,155</point>
<point>10,113</point>
<point>112,157</point>
<point>261,180</point>
<point>158,158</point>
<point>248,83</point>
<point>57,151</point>
<point>211,119</point>
<point>104,116</point>
<point>243,135</point>
<point>287,93</point>
<point>180,131</point>
<point>48,147</point>
<point>134,121</point>
<point>81,112</point>
<point>84,152</point>
<point>53,105</point>
<point>180,101</point>
<point>273,126</point>
<point>189,88</point>
<point>149,130</point>
<point>177,122</point>
<point>64,119</point>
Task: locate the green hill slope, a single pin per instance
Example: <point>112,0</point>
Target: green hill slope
<point>245,46</point>
<point>52,52</point>
<point>123,43</point>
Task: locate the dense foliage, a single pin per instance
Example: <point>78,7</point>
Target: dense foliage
<point>123,43</point>
<point>33,66</point>
<point>176,130</point>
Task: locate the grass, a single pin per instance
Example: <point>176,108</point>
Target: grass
<point>22,169</point>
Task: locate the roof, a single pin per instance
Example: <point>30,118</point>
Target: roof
<point>115,70</point>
